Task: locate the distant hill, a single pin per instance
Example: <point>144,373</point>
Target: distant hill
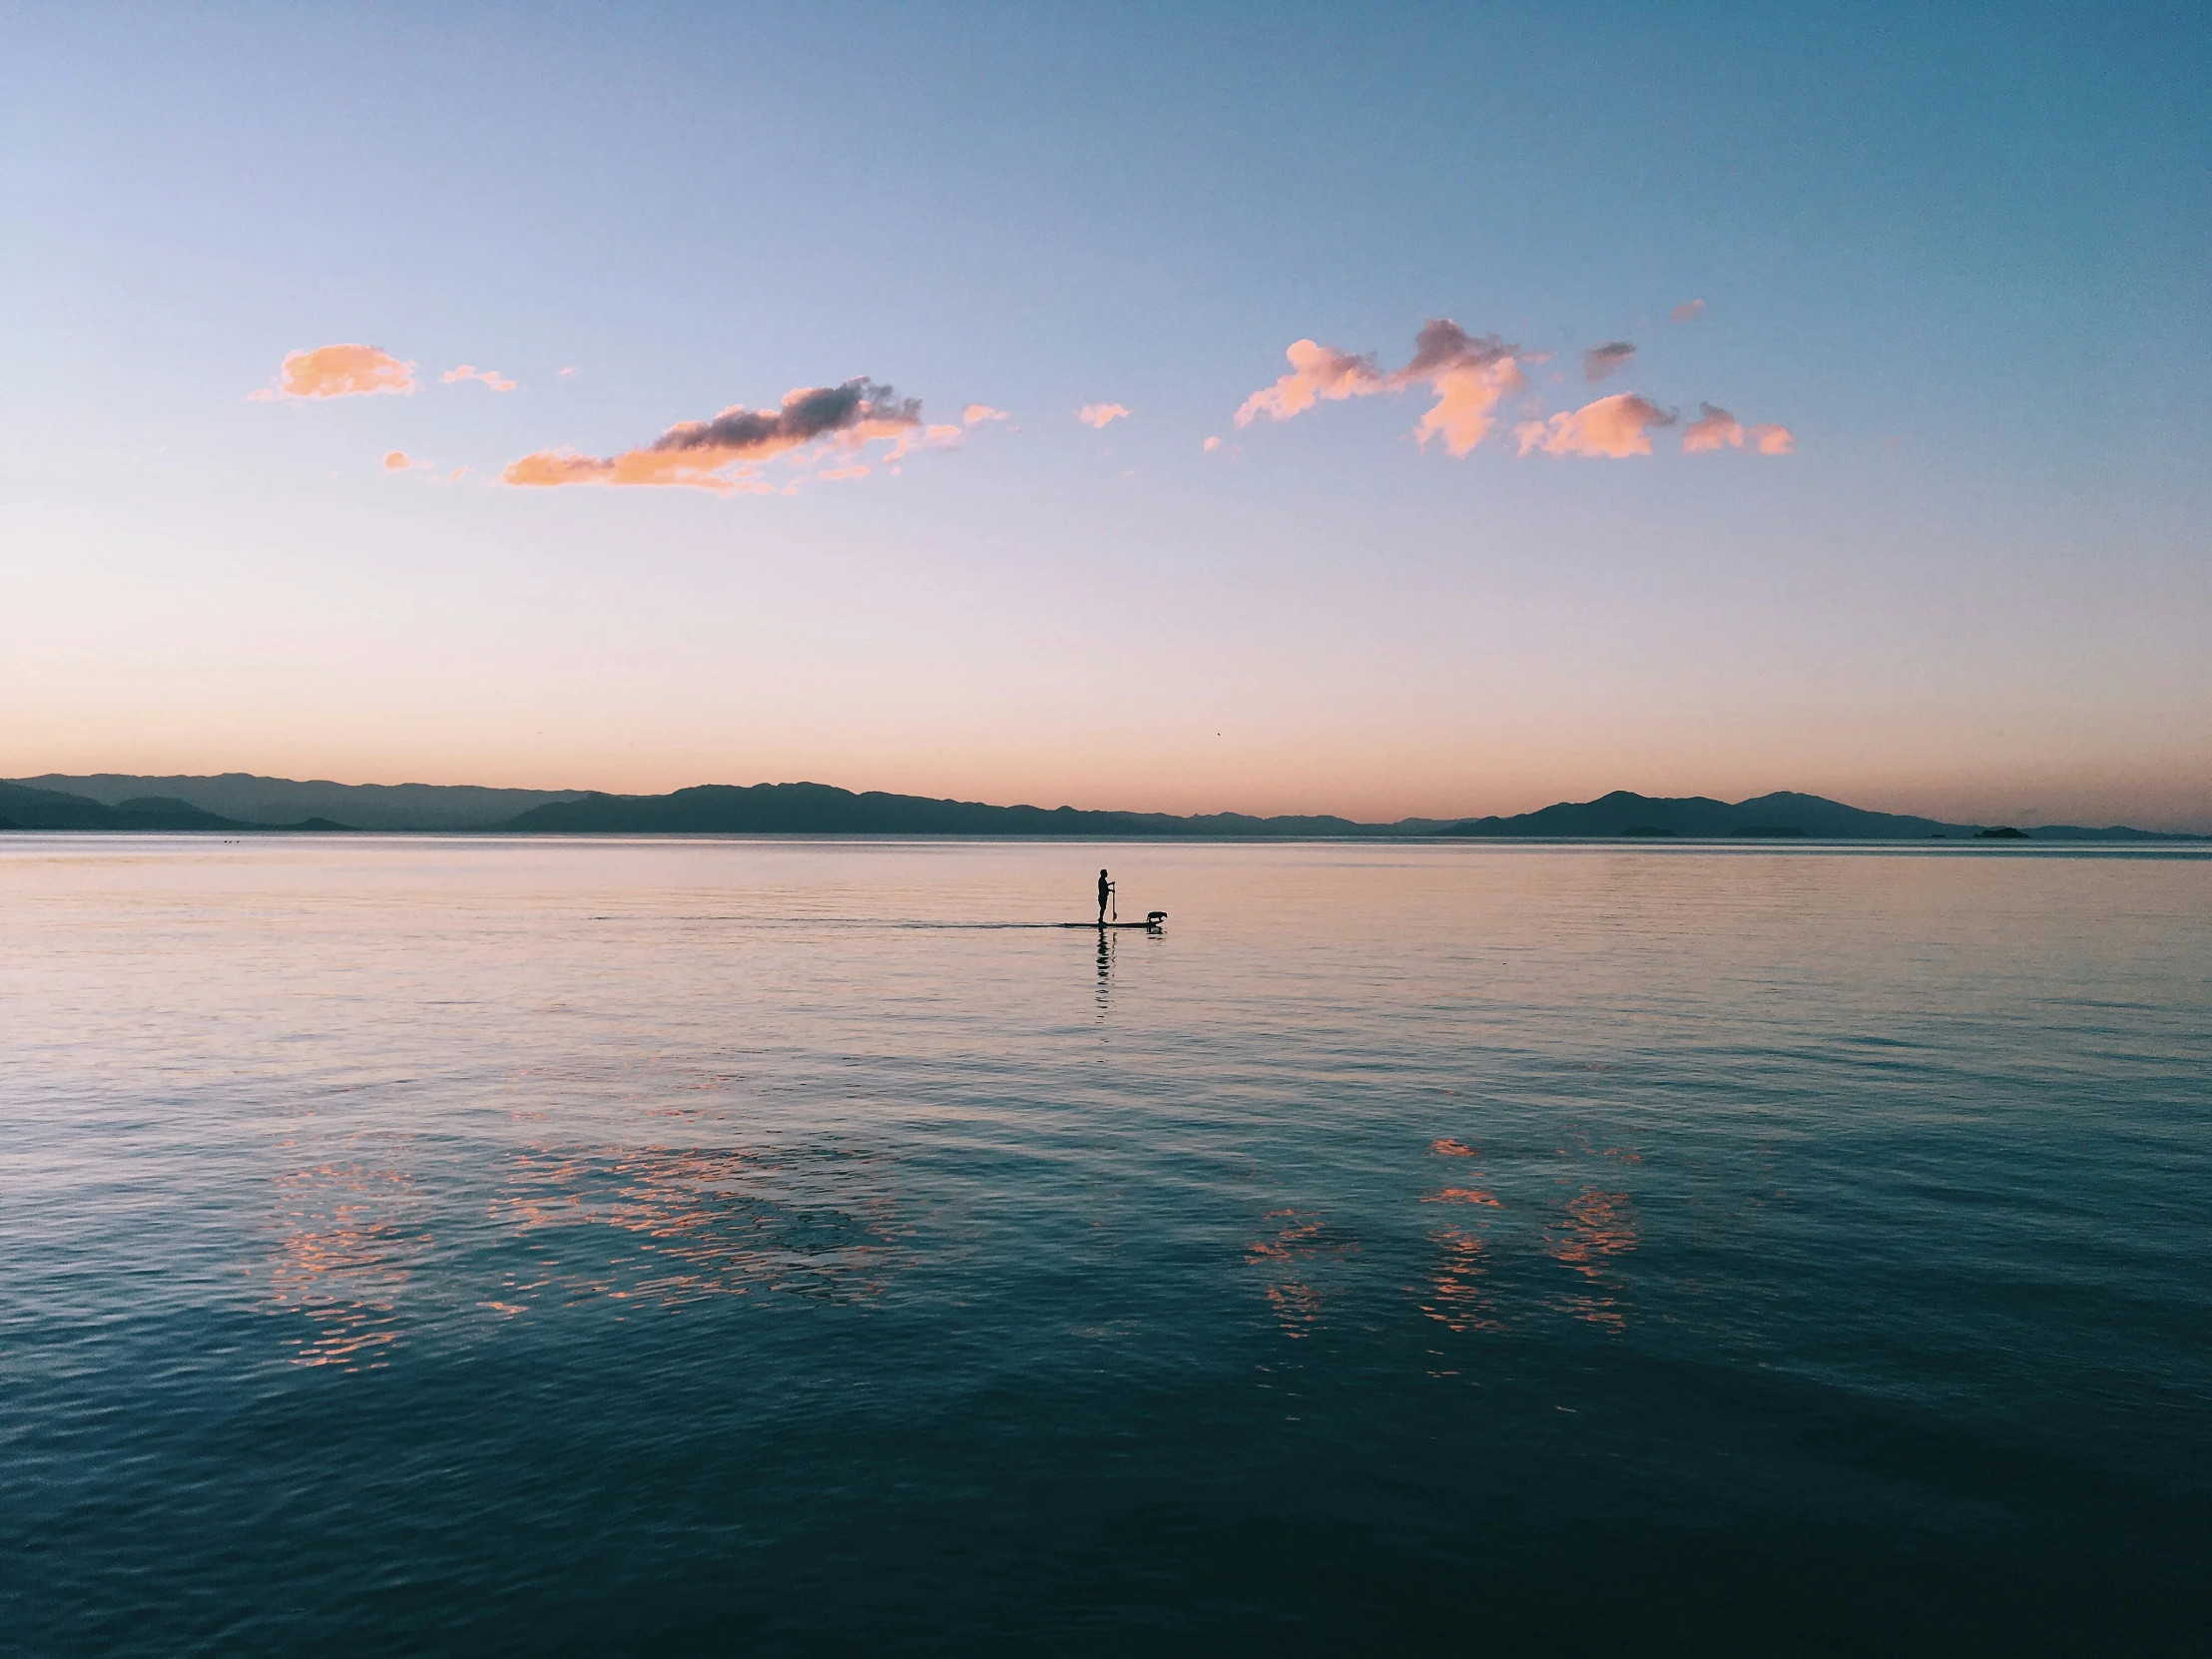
<point>1624,812</point>
<point>1783,814</point>
<point>821,809</point>
<point>2118,833</point>
<point>238,800</point>
<point>242,798</point>
<point>24,807</point>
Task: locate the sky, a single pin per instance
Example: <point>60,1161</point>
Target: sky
<point>1382,410</point>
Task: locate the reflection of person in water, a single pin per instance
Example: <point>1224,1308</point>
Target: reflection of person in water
<point>1105,891</point>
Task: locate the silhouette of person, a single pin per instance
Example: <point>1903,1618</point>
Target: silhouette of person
<point>1105,891</point>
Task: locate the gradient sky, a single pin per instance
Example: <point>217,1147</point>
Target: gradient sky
<point>1961,255</point>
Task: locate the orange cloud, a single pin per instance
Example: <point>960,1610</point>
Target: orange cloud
<point>1468,376</point>
<point>1688,311</point>
<point>1101,415</point>
<point>397,461</point>
<point>1315,371</point>
<point>723,454</point>
<point>1713,428</point>
<point>490,377</point>
<point>339,371</point>
<point>1616,426</point>
<point>1601,360</point>
<point>980,412</point>
<point>1468,373</point>
<point>1465,399</point>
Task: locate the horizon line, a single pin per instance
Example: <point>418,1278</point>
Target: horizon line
<point>33,781</point>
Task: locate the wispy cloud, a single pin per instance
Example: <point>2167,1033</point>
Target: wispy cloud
<point>1601,360</point>
<point>1615,427</point>
<point>339,371</point>
<point>400,461</point>
<point>490,377</point>
<point>725,454</point>
<point>1688,311</point>
<point>975,412</point>
<point>1101,415</point>
<point>564,374</point>
<point>1470,374</point>
<point>1210,445</point>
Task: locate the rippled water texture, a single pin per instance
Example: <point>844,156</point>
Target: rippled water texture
<point>467,1246</point>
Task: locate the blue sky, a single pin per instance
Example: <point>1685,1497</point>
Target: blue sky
<point>1962,256</point>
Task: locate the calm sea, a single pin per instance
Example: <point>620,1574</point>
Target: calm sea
<point>463,1246</point>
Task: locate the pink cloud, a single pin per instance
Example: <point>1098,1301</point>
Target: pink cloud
<point>980,412</point>
<point>723,454</point>
<point>1713,428</point>
<point>1716,429</point>
<point>398,460</point>
<point>1601,360</point>
<point>1617,426</point>
<point>1315,371</point>
<point>1688,311</point>
<point>339,371</point>
<point>564,374</point>
<point>1101,415</point>
<point>1210,445</point>
<point>1468,373</point>
<point>929,437</point>
<point>490,377</point>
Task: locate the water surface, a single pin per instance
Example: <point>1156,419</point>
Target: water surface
<point>425,1244</point>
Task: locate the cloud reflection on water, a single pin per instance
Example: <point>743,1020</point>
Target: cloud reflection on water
<point>1596,1227</point>
<point>344,1251</point>
<point>1458,1299</point>
<point>1298,1245</point>
<point>817,1222</point>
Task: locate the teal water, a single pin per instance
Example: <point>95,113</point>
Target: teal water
<point>415,1246</point>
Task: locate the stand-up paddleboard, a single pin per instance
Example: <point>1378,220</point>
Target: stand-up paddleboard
<point>1151,923</point>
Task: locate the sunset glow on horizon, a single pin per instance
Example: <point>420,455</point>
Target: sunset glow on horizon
<point>1351,433</point>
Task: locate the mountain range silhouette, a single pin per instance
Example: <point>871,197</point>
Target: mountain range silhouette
<point>238,803</point>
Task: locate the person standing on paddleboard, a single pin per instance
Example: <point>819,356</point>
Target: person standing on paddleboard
<point>1105,891</point>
